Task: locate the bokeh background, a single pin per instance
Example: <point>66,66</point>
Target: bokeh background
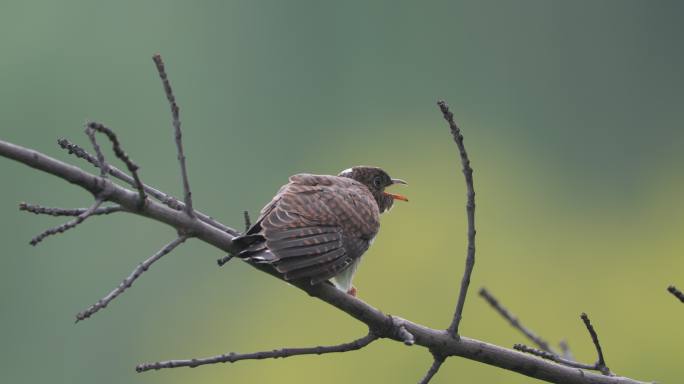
<point>572,116</point>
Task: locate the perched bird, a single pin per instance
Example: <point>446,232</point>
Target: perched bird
<point>317,227</point>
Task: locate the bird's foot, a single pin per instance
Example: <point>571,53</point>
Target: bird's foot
<point>352,291</point>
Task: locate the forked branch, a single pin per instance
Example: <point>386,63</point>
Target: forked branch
<point>515,322</point>
<point>470,214</point>
<point>599,365</point>
<point>545,351</point>
<point>93,127</point>
<point>163,197</point>
<point>128,281</point>
<point>69,224</point>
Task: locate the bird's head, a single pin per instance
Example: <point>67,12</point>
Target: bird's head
<point>376,180</point>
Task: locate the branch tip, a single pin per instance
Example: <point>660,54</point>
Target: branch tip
<point>676,293</point>
<point>175,112</point>
<point>470,213</point>
<point>600,363</point>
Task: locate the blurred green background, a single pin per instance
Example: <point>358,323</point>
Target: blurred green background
<point>571,113</point>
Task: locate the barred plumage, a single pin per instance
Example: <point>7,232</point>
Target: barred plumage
<point>318,226</point>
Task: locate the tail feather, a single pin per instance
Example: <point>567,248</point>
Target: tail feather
<point>260,256</point>
<point>253,248</point>
<point>244,241</point>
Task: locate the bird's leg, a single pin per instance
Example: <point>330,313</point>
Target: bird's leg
<point>352,291</point>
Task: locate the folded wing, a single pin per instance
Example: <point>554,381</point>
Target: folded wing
<point>314,228</point>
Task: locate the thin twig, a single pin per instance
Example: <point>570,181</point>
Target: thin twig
<point>676,292</point>
<point>248,221</point>
<point>600,363</point>
<point>553,357</point>
<point>128,281</point>
<point>470,211</point>
<point>274,354</point>
<point>119,152</point>
<point>436,364</point>
<point>101,163</point>
<point>40,210</point>
<point>514,322</point>
<point>177,131</point>
<point>164,198</point>
<point>69,224</point>
<point>565,349</point>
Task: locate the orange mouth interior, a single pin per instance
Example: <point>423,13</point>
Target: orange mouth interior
<point>396,196</point>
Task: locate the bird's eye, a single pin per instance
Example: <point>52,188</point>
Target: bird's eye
<point>377,182</point>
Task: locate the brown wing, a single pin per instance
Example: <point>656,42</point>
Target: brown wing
<point>316,226</point>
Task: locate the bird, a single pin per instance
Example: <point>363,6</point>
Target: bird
<point>317,227</point>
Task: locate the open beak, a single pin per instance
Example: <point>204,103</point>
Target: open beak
<point>397,196</point>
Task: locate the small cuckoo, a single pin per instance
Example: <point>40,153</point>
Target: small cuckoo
<point>317,227</point>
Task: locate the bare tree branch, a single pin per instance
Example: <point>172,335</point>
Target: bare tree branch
<point>93,127</point>
<point>514,322</point>
<point>545,350</point>
<point>177,131</point>
<point>274,354</point>
<point>99,197</point>
<point>470,211</point>
<point>40,210</point>
<point>164,198</point>
<point>676,293</point>
<point>69,224</point>
<point>434,340</point>
<point>553,357</point>
<point>128,281</point>
<point>432,371</point>
<point>600,363</point>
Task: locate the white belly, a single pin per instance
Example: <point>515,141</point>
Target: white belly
<point>343,281</point>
